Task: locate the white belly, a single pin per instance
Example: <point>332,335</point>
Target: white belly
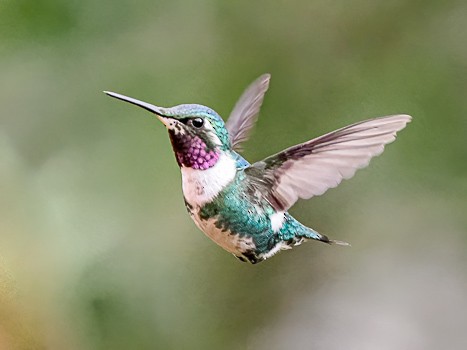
<point>233,243</point>
<point>201,187</point>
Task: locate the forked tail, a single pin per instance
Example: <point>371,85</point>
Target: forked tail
<point>323,238</point>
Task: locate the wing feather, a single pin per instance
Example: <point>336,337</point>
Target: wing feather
<point>311,168</point>
<point>246,110</point>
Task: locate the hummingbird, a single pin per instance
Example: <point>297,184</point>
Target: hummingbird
<point>243,207</point>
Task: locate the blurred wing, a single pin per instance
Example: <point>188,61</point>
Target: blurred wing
<point>246,110</point>
<point>311,168</point>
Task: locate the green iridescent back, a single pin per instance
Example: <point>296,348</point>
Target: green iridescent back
<point>236,211</point>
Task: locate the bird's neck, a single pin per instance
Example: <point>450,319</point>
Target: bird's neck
<point>193,152</point>
<point>203,186</point>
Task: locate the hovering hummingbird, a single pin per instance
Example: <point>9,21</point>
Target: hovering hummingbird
<point>243,207</point>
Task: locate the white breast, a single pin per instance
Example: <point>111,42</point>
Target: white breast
<point>202,186</point>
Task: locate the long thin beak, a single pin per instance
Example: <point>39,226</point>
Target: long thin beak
<point>147,106</point>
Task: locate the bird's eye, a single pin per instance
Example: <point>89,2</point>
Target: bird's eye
<point>197,122</point>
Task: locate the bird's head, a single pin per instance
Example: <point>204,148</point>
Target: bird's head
<point>197,133</point>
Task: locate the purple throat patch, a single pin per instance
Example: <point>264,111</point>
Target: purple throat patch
<point>191,152</point>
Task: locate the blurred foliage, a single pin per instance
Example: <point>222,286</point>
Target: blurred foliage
<point>96,250</point>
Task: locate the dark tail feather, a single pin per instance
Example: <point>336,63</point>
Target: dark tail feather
<point>335,241</point>
<point>323,238</point>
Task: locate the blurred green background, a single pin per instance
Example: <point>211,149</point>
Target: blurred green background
<point>96,249</point>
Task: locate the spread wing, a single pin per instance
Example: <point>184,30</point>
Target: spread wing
<point>246,110</point>
<point>311,168</point>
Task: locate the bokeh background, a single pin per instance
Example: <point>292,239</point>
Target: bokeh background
<point>96,249</point>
